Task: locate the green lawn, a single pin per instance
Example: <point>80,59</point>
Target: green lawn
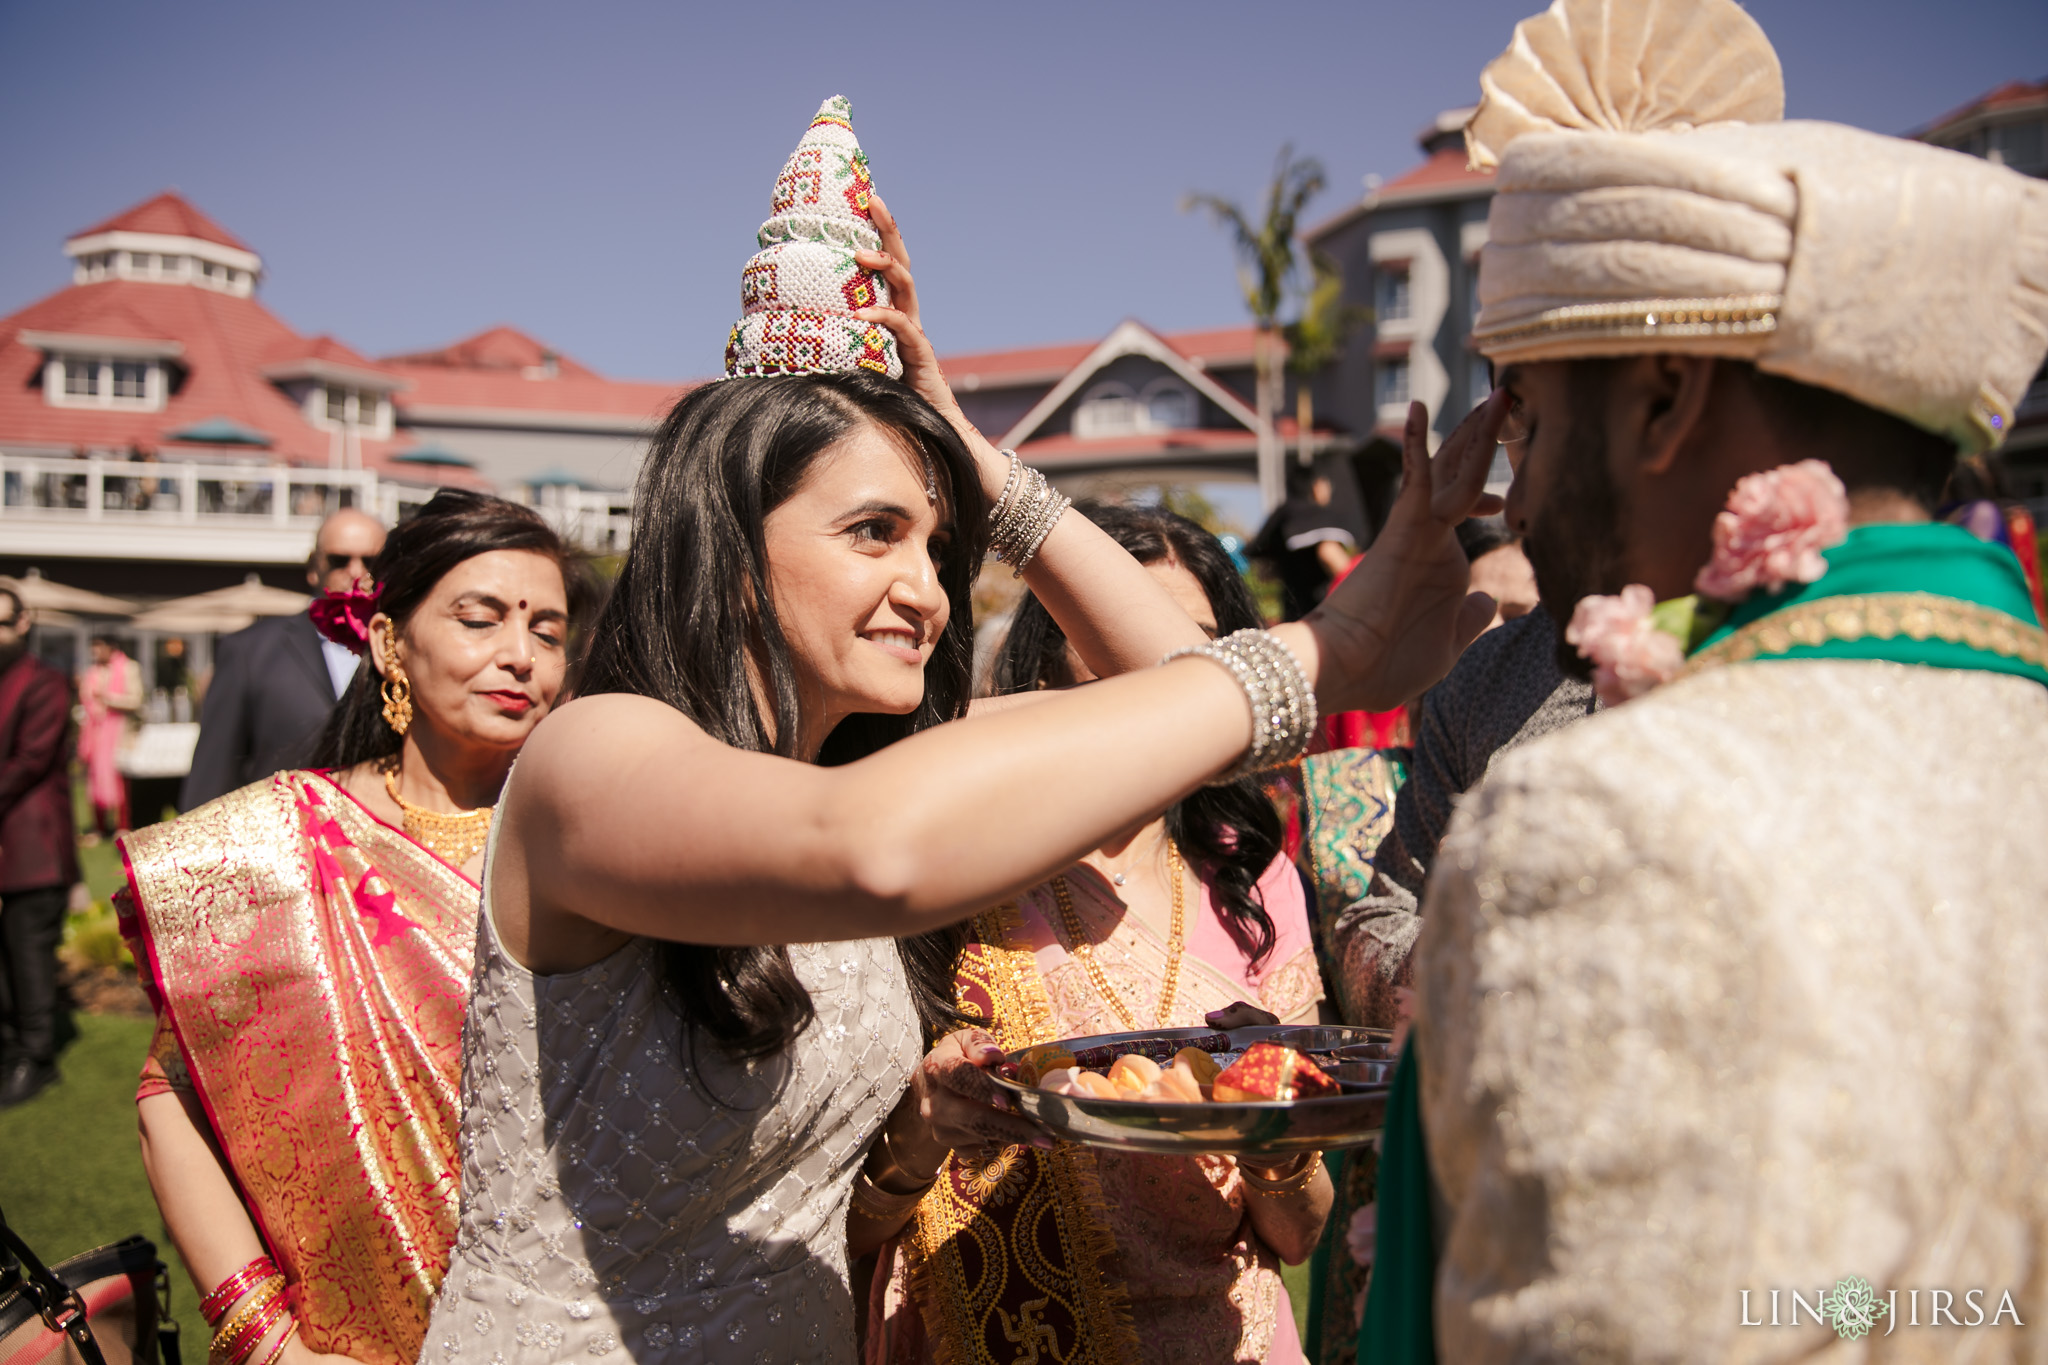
<point>71,1170</point>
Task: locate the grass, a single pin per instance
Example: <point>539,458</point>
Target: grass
<point>1296,1278</point>
<point>71,1168</point>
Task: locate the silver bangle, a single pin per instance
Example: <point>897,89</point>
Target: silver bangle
<point>1024,515</point>
<point>1282,703</point>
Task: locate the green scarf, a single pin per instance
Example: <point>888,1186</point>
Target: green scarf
<point>1905,592</point>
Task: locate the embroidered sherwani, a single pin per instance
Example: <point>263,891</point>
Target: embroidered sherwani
<point>1744,986</point>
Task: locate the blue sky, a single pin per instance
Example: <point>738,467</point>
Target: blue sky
<point>593,173</point>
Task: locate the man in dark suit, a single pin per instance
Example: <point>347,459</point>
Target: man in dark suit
<point>38,858</point>
<point>274,683</point>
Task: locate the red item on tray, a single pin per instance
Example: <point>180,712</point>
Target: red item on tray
<point>1268,1071</point>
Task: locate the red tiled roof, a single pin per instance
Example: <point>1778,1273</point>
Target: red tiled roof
<point>496,348</point>
<point>226,339</point>
<point>1019,366</point>
<point>2013,94</point>
<point>1445,167</point>
<point>1069,449</point>
<point>324,347</point>
<point>500,370</point>
<point>1046,364</point>
<point>170,214</point>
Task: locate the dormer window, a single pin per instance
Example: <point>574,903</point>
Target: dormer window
<point>1169,405</point>
<point>342,406</point>
<point>82,381</point>
<point>1108,410</point>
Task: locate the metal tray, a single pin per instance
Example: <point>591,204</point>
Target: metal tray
<point>1237,1128</point>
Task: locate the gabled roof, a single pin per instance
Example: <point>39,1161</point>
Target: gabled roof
<point>171,215</point>
<point>1129,338</point>
<point>497,348</point>
<point>1444,174</point>
<point>2011,95</point>
<point>324,357</point>
<point>500,377</point>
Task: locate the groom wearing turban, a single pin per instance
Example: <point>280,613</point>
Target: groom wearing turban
<point>1739,988</point>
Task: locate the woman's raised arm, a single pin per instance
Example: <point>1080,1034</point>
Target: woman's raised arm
<point>1114,613</point>
<point>627,816</point>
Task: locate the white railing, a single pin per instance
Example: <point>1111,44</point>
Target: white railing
<point>259,513</point>
<point>132,492</point>
<point>599,522</point>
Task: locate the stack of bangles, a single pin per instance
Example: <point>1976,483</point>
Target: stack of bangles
<point>1293,1182</point>
<point>1023,516</point>
<point>872,1197</point>
<point>243,1310</point>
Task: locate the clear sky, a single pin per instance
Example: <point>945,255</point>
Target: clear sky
<point>593,172</point>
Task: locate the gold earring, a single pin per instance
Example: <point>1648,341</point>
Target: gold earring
<point>397,690</point>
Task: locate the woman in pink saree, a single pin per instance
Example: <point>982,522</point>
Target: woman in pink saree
<point>1101,1256</point>
<point>308,942</point>
<point>110,693</point>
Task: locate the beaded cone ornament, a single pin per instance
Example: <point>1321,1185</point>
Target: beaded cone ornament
<point>799,292</point>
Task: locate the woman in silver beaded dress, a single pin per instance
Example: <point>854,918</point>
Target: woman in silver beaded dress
<point>717,909</point>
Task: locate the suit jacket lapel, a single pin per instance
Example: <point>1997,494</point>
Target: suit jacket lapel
<point>303,644</point>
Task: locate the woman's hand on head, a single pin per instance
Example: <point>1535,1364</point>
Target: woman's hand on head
<point>921,368</point>
<point>1399,621</point>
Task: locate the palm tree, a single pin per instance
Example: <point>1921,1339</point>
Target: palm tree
<point>1315,340</point>
<point>1266,271</point>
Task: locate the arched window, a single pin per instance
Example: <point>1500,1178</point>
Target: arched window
<point>1106,410</point>
<point>1168,406</point>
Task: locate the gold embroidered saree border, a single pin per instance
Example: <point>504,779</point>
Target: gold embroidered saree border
<point>313,963</point>
<point>1917,616</point>
<point>1064,1185</point>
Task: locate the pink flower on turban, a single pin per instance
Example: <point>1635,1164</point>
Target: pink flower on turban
<point>344,617</point>
<point>1776,525</point>
<point>1629,654</point>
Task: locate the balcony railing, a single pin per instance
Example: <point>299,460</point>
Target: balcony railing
<point>253,512</point>
<point>134,492</point>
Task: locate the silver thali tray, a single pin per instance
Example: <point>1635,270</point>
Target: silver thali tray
<point>1361,1060</point>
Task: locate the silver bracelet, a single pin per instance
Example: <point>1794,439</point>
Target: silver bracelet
<point>1024,515</point>
<point>1282,703</point>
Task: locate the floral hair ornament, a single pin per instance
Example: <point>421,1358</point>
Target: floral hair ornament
<point>344,617</point>
<point>1772,533</point>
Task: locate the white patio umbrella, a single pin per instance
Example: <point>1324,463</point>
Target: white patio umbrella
<point>223,609</point>
<point>40,594</point>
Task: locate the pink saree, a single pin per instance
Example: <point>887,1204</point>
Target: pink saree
<point>310,967</point>
<point>1083,1255</point>
<point>99,738</point>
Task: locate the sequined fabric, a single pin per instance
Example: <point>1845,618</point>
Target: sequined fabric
<point>622,1193</point>
<point>1740,987</point>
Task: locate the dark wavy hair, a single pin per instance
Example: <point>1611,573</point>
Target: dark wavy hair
<point>693,600</point>
<point>1230,834</point>
<point>453,526</point>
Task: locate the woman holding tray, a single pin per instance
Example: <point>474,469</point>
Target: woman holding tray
<point>1153,1258</point>
<point>706,968</point>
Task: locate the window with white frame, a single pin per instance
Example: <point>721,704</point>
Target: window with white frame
<point>88,381</point>
<point>341,406</point>
<point>1109,409</point>
<point>1167,405</point>
<point>1390,376</point>
<point>1394,296</point>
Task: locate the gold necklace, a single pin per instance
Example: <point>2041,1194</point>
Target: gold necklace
<point>1176,940</point>
<point>455,839</point>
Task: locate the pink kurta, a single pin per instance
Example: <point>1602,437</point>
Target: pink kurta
<point>1198,1283</point>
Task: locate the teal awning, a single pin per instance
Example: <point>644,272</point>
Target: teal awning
<point>434,455</point>
<point>221,431</point>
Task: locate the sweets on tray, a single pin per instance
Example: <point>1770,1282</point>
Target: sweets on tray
<point>1265,1072</point>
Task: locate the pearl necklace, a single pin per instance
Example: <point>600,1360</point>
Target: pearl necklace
<point>1176,941</point>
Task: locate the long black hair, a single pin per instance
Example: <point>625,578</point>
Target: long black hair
<point>693,603</point>
<point>1231,833</point>
<point>454,525</point>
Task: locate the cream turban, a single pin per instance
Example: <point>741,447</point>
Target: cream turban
<point>1649,199</point>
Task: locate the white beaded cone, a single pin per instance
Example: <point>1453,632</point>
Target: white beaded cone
<point>799,292</point>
